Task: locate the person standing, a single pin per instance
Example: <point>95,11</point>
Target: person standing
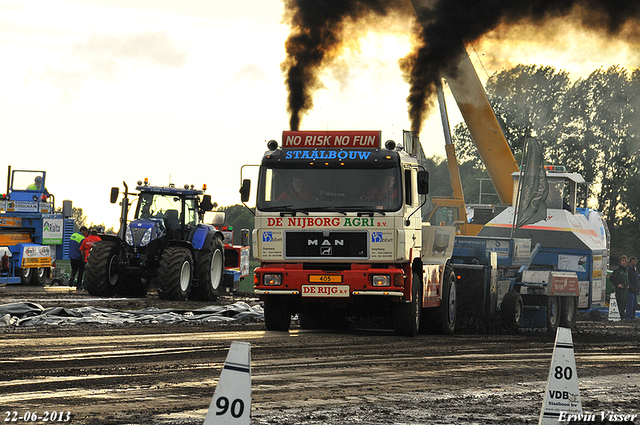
<point>87,243</point>
<point>634,288</point>
<point>76,257</point>
<point>620,280</point>
<point>85,248</point>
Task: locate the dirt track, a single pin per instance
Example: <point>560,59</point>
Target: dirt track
<point>166,374</point>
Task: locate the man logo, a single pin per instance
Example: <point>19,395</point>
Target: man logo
<point>376,237</point>
<point>267,237</point>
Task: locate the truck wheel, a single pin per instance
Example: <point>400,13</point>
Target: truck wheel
<point>174,275</point>
<point>101,273</point>
<point>40,276</point>
<point>209,271</point>
<point>553,314</point>
<point>406,315</point>
<point>25,275</point>
<point>276,315</point>
<point>511,311</point>
<point>568,312</point>
<point>448,311</point>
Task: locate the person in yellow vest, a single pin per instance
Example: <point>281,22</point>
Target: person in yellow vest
<point>76,257</point>
<point>37,185</point>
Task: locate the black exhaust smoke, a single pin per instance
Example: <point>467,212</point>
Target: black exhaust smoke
<point>316,38</point>
<point>446,26</point>
<point>449,25</point>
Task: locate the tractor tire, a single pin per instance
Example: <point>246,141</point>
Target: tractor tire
<point>209,271</point>
<point>101,278</point>
<point>553,314</point>
<point>276,315</point>
<point>447,313</point>
<point>406,315</point>
<point>25,275</point>
<point>568,312</point>
<point>174,275</point>
<point>511,311</point>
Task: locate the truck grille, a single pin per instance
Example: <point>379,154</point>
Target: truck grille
<point>326,245</point>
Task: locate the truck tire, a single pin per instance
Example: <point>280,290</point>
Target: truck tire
<point>447,313</point>
<point>406,315</point>
<point>26,275</point>
<point>209,270</point>
<point>40,276</point>
<point>276,315</point>
<point>174,275</point>
<point>553,314</point>
<point>511,311</point>
<point>568,312</point>
<point>101,277</point>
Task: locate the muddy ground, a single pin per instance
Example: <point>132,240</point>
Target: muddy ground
<point>155,373</point>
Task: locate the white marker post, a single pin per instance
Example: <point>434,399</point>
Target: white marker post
<point>614,311</point>
<point>231,403</point>
<point>562,396</point>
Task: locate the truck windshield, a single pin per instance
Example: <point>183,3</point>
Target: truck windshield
<point>341,189</point>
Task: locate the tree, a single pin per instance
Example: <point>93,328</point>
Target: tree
<point>239,217</point>
<point>527,101</point>
<point>602,143</point>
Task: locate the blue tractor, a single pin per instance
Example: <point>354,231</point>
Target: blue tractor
<point>166,243</point>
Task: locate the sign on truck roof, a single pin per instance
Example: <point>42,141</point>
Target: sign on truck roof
<point>331,139</point>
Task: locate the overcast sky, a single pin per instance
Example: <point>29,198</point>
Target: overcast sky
<point>97,92</point>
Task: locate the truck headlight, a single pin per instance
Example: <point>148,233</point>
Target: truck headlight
<point>128,236</point>
<point>146,238</point>
<point>381,280</point>
<point>272,280</point>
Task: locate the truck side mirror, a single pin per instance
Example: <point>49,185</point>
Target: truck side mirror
<point>206,204</point>
<point>245,190</point>
<point>219,218</point>
<point>423,182</point>
<point>114,194</point>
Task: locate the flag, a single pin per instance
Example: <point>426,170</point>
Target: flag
<point>534,188</point>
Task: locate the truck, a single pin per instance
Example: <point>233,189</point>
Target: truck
<point>32,235</point>
<point>168,243</point>
<point>350,242</point>
<point>353,242</point>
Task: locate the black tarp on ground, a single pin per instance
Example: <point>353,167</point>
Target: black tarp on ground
<point>32,314</point>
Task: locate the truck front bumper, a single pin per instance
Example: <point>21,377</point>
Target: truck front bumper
<point>309,283</point>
